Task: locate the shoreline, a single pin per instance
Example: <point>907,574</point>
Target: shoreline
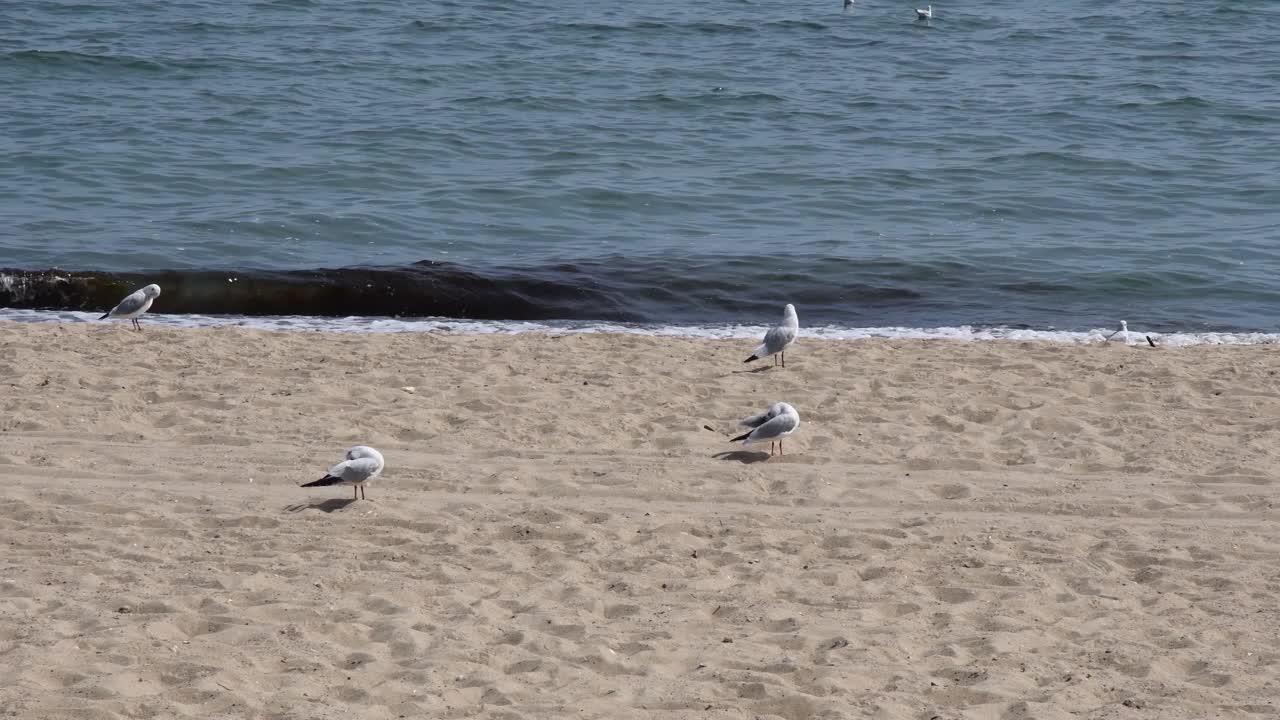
<point>957,529</point>
<point>384,325</point>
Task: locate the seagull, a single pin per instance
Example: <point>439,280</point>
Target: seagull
<point>363,464</point>
<point>778,339</point>
<point>778,422</point>
<point>1123,332</point>
<point>134,305</point>
<point>925,14</point>
<point>848,3</point>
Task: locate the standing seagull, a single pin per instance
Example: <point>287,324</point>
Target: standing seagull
<point>363,464</point>
<point>1123,332</point>
<point>925,14</point>
<point>134,305</point>
<point>777,423</point>
<point>778,339</point>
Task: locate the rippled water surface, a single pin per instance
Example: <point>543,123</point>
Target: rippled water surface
<point>1034,165</point>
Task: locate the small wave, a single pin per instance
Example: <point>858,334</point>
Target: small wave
<point>423,289</point>
<point>70,58</point>
<point>796,25</point>
<point>430,26</point>
<point>676,289</point>
<point>718,96</point>
<point>647,26</point>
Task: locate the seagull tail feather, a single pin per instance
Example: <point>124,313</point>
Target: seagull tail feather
<point>105,316</point>
<point>326,480</point>
<point>753,357</point>
<point>743,436</point>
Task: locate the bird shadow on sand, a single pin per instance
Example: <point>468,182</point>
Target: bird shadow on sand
<point>746,457</point>
<point>327,506</point>
<point>764,368</point>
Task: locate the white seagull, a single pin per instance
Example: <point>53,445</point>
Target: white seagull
<point>1123,332</point>
<point>363,464</point>
<point>778,339</point>
<point>134,305</point>
<point>924,14</point>
<point>778,422</point>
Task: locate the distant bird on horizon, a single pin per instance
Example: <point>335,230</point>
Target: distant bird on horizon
<point>779,338</point>
<point>134,304</point>
<point>776,423</point>
<point>925,14</point>
<point>361,465</point>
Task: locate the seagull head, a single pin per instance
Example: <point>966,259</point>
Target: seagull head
<point>151,290</point>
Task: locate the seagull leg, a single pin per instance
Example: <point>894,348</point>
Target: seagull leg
<point>784,359</point>
<point>355,493</point>
<point>779,447</point>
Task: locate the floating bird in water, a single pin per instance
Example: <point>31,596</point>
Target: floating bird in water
<point>778,422</point>
<point>363,464</point>
<point>925,14</point>
<point>134,304</point>
<point>778,339</point>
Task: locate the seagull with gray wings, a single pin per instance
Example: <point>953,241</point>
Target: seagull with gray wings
<point>134,305</point>
<point>779,338</point>
<point>776,423</point>
<point>362,464</point>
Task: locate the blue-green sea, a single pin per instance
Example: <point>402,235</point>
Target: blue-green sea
<point>1044,166</point>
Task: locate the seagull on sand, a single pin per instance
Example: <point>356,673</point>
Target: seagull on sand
<point>1123,332</point>
<point>778,339</point>
<point>925,14</point>
<point>363,464</point>
<point>134,305</point>
<point>776,423</point>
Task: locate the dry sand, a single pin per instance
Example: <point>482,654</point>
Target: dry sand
<point>991,530</point>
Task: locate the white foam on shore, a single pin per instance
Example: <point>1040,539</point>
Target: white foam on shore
<point>964,333</point>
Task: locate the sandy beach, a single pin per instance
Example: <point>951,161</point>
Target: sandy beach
<point>958,530</point>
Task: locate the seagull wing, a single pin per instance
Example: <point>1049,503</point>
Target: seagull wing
<point>777,339</point>
<point>775,428</point>
<point>355,471</point>
<point>131,304</point>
